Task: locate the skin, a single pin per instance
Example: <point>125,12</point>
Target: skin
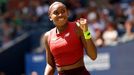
<point>59,15</point>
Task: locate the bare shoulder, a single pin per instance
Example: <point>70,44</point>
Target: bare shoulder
<point>44,38</point>
<point>45,35</point>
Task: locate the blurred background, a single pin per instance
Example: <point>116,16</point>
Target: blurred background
<point>23,22</point>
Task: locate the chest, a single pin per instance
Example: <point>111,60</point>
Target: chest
<point>64,43</point>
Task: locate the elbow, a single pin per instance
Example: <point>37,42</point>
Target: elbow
<point>94,57</point>
<point>92,52</point>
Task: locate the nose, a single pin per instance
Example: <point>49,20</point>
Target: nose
<point>60,14</point>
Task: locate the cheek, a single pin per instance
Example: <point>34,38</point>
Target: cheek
<point>52,17</point>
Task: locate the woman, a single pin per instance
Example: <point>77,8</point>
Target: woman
<point>65,43</point>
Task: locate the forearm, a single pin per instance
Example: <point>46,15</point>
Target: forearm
<point>86,38</point>
<point>49,70</point>
<point>91,49</point>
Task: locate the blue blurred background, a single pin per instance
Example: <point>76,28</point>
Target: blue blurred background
<point>23,22</point>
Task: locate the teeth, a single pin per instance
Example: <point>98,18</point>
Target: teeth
<point>61,18</point>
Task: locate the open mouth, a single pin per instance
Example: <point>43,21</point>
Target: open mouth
<point>61,19</point>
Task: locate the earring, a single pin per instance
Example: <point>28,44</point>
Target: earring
<point>51,20</point>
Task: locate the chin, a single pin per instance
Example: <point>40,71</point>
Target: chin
<point>62,23</point>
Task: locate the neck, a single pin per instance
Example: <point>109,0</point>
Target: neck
<point>61,28</point>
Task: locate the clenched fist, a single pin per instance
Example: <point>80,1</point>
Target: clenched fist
<point>82,23</point>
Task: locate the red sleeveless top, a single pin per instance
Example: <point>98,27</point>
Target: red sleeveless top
<point>66,47</point>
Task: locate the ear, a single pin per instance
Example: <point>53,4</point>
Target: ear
<point>50,18</point>
<point>68,12</point>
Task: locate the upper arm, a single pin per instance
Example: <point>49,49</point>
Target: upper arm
<point>49,56</point>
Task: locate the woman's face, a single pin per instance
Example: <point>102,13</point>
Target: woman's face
<point>58,14</point>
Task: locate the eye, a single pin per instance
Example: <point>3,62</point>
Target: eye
<point>56,13</point>
<point>63,11</point>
